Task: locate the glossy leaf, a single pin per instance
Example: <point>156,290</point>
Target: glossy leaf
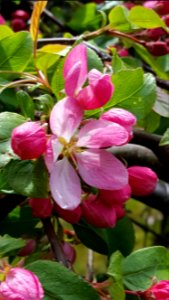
<point>61,283</point>
<point>118,18</point>
<point>39,6</point>
<point>8,121</point>
<point>165,138</point>
<point>26,104</point>
<point>9,245</point>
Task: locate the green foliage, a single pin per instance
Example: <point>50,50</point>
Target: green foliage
<point>165,139</point>
<point>8,121</point>
<point>15,51</point>
<point>115,272</point>
<point>28,178</point>
<point>26,104</point>
<point>145,18</point>
<point>107,240</point>
<point>118,18</point>
<point>9,245</point>
<point>60,283</point>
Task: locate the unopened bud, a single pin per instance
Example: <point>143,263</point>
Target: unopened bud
<point>158,291</point>
<point>157,48</point>
<point>41,207</point>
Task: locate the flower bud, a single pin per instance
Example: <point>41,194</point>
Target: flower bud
<point>142,180</point>
<point>157,48</point>
<point>70,216</point>
<point>28,248</point>
<point>21,284</point>
<point>116,196</point>
<point>123,52</point>
<point>161,7</point>
<point>18,25</point>
<point>155,33</point>
<point>121,117</point>
<point>100,215</point>
<point>41,207</point>
<point>69,252</point>
<point>2,20</point>
<point>166,20</point>
<point>158,291</point>
<point>28,140</point>
<point>20,14</point>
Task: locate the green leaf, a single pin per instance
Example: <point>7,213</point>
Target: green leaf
<point>26,104</point>
<point>44,103</point>
<point>8,121</point>
<point>15,51</point>
<point>142,265</point>
<point>60,283</point>
<point>145,18</point>
<point>165,138</point>
<point>45,60</point>
<point>149,59</point>
<point>9,99</point>
<point>118,18</point>
<point>5,153</point>
<point>117,63</point>
<point>85,18</point>
<point>94,61</point>
<point>57,80</point>
<point>5,31</point>
<point>115,272</point>
<point>161,105</point>
<point>28,178</point>
<point>9,244</point>
<point>151,122</point>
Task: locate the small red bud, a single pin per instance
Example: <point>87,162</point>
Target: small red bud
<point>18,25</point>
<point>41,207</point>
<point>28,140</point>
<point>71,216</point>
<point>69,251</point>
<point>155,33</point>
<point>20,14</point>
<point>158,291</point>
<point>28,249</point>
<point>166,20</point>
<point>157,48</point>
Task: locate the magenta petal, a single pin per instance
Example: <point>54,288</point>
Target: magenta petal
<point>65,185</point>
<point>65,118</point>
<point>54,148</point>
<point>101,169</point>
<point>75,69</point>
<point>100,134</point>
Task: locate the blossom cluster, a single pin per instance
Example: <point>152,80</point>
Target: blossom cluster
<point>76,151</point>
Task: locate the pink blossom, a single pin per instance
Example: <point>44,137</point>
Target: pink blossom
<point>28,140</point>
<point>99,214</point>
<point>100,88</point>
<point>21,284</point>
<point>122,117</point>
<point>71,216</point>
<point>160,6</point>
<point>82,151</point>
<point>117,196</point>
<point>158,291</point>
<point>142,180</point>
<point>69,251</point>
<point>2,20</point>
<point>41,207</point>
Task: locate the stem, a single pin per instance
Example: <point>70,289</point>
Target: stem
<point>54,242</point>
<point>89,275</point>
<point>137,294</point>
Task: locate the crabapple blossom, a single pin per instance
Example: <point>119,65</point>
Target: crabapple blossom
<point>29,140</point>
<point>142,180</point>
<point>72,153</point>
<point>100,88</point>
<point>158,291</point>
<point>121,117</point>
<point>41,207</point>
<point>21,284</point>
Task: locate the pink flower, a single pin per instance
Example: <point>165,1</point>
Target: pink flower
<point>117,196</point>
<point>160,6</point>
<point>70,216</point>
<point>121,117</point>
<point>100,88</point>
<point>21,284</point>
<point>28,140</point>
<point>158,291</point>
<point>99,214</point>
<point>41,207</point>
<point>142,180</point>
<point>2,20</point>
<point>82,151</point>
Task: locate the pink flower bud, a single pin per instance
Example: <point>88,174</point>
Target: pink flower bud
<point>155,33</point>
<point>129,4</point>
<point>142,180</point>
<point>166,20</point>
<point>71,216</point>
<point>41,207</point>
<point>161,7</point>
<point>116,196</point>
<point>99,214</point>
<point>2,20</point>
<point>28,140</point>
<point>157,48</point>
<point>158,291</point>
<point>20,14</point>
<point>18,25</point>
<point>69,251</point>
<point>28,248</point>
<point>123,52</point>
<point>121,117</point>
<point>21,284</point>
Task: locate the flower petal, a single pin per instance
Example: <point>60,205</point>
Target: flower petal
<point>54,148</point>
<point>101,169</point>
<point>75,69</point>
<point>97,93</point>
<point>101,134</point>
<point>65,185</point>
<point>65,118</point>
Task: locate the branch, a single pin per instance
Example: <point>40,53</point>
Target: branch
<point>54,242</point>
